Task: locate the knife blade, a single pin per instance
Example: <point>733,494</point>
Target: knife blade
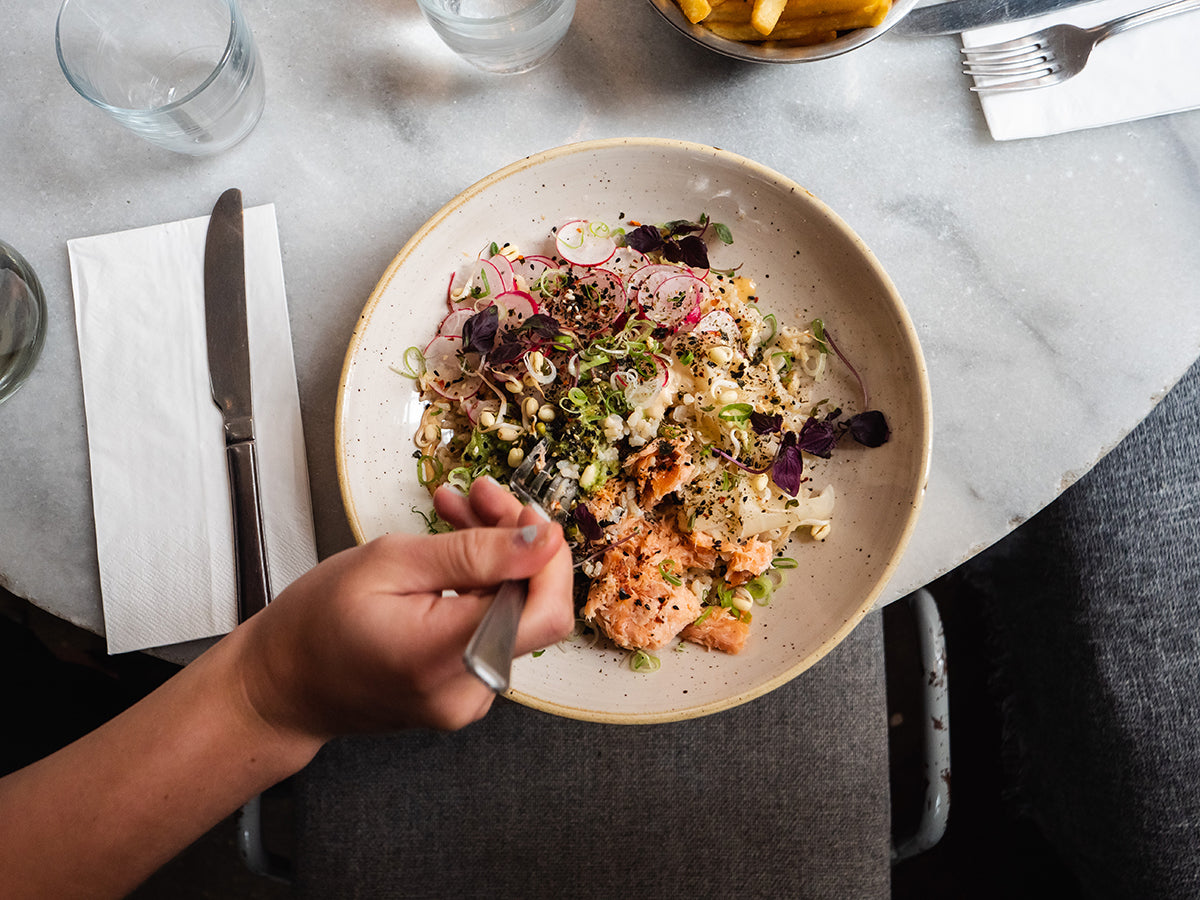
<point>956,16</point>
<point>229,374</point>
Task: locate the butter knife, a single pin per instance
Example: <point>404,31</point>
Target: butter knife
<point>229,374</point>
<point>955,16</point>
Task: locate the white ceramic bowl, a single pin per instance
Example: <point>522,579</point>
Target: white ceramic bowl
<point>807,263</point>
<point>773,53</point>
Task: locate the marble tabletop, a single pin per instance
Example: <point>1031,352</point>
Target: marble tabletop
<point>1053,282</point>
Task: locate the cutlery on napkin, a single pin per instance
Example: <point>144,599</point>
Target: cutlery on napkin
<point>1149,71</point>
<point>155,442</point>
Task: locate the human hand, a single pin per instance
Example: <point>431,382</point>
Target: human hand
<point>366,641</point>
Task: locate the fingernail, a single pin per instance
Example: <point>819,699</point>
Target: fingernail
<point>537,508</point>
<point>527,535</point>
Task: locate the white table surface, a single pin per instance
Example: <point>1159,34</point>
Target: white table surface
<point>1055,283</point>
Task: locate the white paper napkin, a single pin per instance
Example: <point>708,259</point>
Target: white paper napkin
<point>160,490</point>
<point>1149,71</point>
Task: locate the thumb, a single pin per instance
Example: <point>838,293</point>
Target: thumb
<point>478,557</point>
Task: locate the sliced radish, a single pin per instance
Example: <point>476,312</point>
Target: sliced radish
<point>504,266</point>
<point>625,261</point>
<point>487,279</point>
<point>723,323</point>
<point>635,281</point>
<point>452,324</point>
<point>444,368</point>
<point>670,300</point>
<point>585,243</point>
<point>518,306</point>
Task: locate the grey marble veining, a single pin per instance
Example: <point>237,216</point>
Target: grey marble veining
<point>1053,282</point>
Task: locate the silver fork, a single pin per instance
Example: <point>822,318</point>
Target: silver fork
<point>489,652</point>
<point>1053,54</point>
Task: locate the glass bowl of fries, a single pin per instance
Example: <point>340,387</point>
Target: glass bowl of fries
<point>783,31</point>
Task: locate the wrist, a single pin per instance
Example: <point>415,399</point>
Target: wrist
<point>287,747</point>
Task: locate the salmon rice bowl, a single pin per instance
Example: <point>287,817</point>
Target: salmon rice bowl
<point>688,420</point>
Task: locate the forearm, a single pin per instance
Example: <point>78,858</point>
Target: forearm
<point>99,816</point>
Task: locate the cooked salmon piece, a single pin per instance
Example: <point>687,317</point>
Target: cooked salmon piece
<point>720,630</point>
<point>661,467</point>
<point>631,601</point>
<point>703,550</point>
<point>747,561</point>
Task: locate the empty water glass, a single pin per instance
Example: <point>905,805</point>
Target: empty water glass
<point>22,320</point>
<point>505,36</point>
<point>183,74</point>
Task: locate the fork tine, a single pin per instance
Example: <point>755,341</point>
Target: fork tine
<point>1004,48</point>
<point>1021,84</point>
<point>1033,53</point>
<point>1017,69</point>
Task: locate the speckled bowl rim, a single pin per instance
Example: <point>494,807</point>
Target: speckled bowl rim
<point>748,52</point>
<point>903,318</point>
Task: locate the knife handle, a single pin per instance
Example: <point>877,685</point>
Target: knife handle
<point>249,538</point>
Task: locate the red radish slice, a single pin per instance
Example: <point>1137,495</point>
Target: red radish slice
<point>518,305</point>
<point>505,267</point>
<point>670,300</point>
<point>724,324</point>
<point>625,261</point>
<point>585,243</point>
<point>540,274</point>
<point>452,325</point>
<point>606,293</point>
<point>487,280</point>
<point>531,268</point>
<point>444,369</point>
<point>635,281</point>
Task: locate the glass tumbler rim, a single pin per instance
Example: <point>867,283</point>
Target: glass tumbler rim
<point>505,20</point>
<point>234,14</point>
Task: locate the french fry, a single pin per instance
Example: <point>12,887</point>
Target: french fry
<point>695,10</point>
<point>740,10</point>
<point>804,29</point>
<point>765,14</point>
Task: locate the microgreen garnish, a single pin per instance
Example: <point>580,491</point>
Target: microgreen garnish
<point>479,331</point>
<point>817,437</point>
<point>789,467</point>
<point>679,240</point>
<point>869,428</point>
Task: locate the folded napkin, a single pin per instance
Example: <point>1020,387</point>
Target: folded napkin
<point>1149,71</point>
<point>160,490</point>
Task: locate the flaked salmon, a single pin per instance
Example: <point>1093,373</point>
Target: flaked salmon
<point>661,468</point>
<point>634,600</point>
<point>720,629</point>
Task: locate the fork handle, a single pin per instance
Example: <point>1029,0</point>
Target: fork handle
<point>1153,14</point>
<point>489,653</point>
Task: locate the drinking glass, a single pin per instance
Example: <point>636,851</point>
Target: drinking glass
<point>505,36</point>
<point>22,320</point>
<point>183,74</point>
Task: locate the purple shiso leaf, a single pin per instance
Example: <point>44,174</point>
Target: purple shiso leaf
<point>542,325</point>
<point>506,351</point>
<point>817,437</point>
<point>479,331</point>
<point>588,526</point>
<point>676,227</point>
<point>788,467</point>
<point>644,239</point>
<point>765,423</point>
<point>693,251</point>
<point>869,428</point>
